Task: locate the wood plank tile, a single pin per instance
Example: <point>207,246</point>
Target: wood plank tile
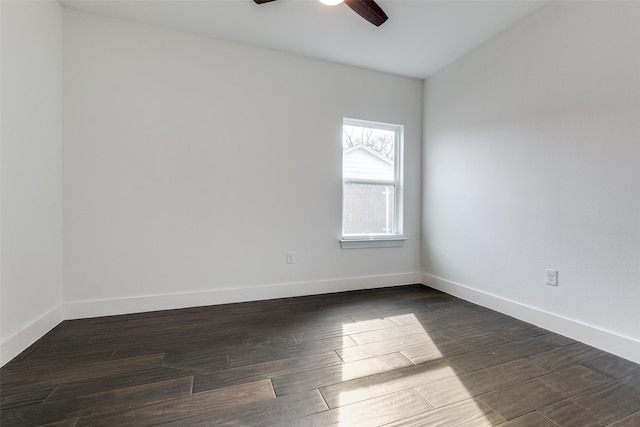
<point>261,413</point>
<point>472,342</point>
<point>382,313</point>
<point>431,319</point>
<point>520,331</point>
<point>466,413</point>
<point>64,423</point>
<point>167,319</point>
<point>264,336</point>
<point>555,339</point>
<point>495,355</point>
<point>468,330</point>
<point>575,380</point>
<point>533,419</point>
<point>114,382</point>
<point>373,386</point>
<point>85,351</point>
<point>602,406</point>
<point>133,347</point>
<point>446,348</point>
<point>21,395</point>
<point>307,380</point>
<point>519,399</point>
<point>372,412</point>
<point>45,375</point>
<point>175,409</point>
<point>304,320</point>
<point>97,403</point>
<point>201,332</point>
<point>199,360</point>
<point>129,346</point>
<point>613,366</point>
<point>28,367</point>
<point>424,342</point>
<point>567,413</point>
<point>170,333</point>
<point>473,316</point>
<point>450,390</point>
<point>344,305</point>
<point>384,334</point>
<point>272,319</point>
<point>258,354</point>
<point>563,357</point>
<point>265,370</point>
<point>343,329</point>
<point>404,317</point>
<point>630,421</point>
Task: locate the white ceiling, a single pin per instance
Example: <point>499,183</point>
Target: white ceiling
<point>420,37</point>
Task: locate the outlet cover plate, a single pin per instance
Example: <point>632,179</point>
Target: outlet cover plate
<point>551,277</point>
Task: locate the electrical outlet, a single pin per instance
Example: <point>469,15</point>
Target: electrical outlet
<point>551,277</point>
<point>291,257</point>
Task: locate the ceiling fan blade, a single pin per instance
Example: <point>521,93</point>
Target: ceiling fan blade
<point>368,9</point>
<point>263,1</point>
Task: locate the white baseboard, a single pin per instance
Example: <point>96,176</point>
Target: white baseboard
<point>620,345</point>
<point>108,307</point>
<point>21,340</point>
<point>609,341</point>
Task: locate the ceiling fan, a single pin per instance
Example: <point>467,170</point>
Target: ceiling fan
<point>368,9</point>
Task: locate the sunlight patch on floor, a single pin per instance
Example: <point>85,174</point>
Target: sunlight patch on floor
<point>388,377</point>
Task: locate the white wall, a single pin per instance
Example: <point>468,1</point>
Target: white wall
<point>31,190</point>
<point>532,161</point>
<point>191,167</point>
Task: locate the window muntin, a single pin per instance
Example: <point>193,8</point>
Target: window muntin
<point>371,171</point>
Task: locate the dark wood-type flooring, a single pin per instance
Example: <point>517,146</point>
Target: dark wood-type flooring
<point>403,356</point>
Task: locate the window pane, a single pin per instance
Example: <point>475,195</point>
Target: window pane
<point>368,208</point>
<point>368,153</point>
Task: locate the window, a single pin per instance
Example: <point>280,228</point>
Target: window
<point>371,184</point>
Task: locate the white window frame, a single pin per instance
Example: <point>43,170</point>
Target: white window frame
<point>396,238</point>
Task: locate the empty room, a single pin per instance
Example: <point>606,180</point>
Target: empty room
<point>294,213</point>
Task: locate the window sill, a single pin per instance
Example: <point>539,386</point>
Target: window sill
<point>372,242</point>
